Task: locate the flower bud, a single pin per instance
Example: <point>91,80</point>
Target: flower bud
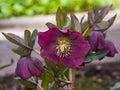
<point>28,67</point>
<point>96,40</point>
<point>111,48</point>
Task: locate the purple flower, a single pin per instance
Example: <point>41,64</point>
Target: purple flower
<point>96,40</point>
<point>111,48</point>
<point>28,67</point>
<point>63,47</point>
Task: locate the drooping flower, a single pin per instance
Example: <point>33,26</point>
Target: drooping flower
<point>96,40</point>
<point>111,48</point>
<point>28,67</point>
<point>63,47</point>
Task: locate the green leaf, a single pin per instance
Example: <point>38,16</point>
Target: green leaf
<point>15,39</point>
<point>54,87</point>
<point>50,25</point>
<point>46,79</point>
<point>33,38</point>
<point>116,86</point>
<point>27,37</point>
<point>61,18</point>
<point>84,26</point>
<point>94,56</point>
<point>21,51</point>
<point>104,25</point>
<point>27,83</point>
<point>91,18</point>
<point>75,24</point>
<point>7,65</point>
<point>67,24</point>
<point>103,13</point>
<point>87,32</point>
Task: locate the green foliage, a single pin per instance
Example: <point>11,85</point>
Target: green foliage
<point>34,7</point>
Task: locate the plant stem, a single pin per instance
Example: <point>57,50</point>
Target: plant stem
<point>36,51</point>
<point>70,87</point>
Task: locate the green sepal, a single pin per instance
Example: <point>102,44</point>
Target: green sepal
<point>95,55</point>
<point>28,84</point>
<point>50,25</point>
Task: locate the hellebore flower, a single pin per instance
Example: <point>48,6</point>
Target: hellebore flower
<point>28,67</point>
<point>63,47</point>
<point>111,48</point>
<point>96,40</point>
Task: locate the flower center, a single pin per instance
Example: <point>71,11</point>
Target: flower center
<point>63,47</point>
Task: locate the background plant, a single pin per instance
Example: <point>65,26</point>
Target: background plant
<point>34,7</point>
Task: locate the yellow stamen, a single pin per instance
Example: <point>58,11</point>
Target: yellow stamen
<point>63,46</point>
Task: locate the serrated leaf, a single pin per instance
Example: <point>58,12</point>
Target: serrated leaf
<point>75,24</point>
<point>27,37</point>
<point>15,39</point>
<point>94,56</point>
<point>27,83</point>
<point>116,86</point>
<point>50,25</point>
<point>7,65</point>
<point>61,18</point>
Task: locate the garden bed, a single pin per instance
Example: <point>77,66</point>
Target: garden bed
<point>91,77</point>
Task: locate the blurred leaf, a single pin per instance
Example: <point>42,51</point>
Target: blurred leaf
<point>54,87</point>
<point>7,65</point>
<point>91,18</point>
<point>75,24</point>
<point>15,39</point>
<point>84,26</point>
<point>116,86</point>
<point>61,18</point>
<point>101,26</point>
<point>27,83</point>
<point>103,13</point>
<point>50,25</point>
<point>87,32</point>
<point>94,56</point>
<point>27,37</point>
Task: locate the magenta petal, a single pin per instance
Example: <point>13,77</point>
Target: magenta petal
<point>79,49</point>
<point>22,69</point>
<point>35,67</point>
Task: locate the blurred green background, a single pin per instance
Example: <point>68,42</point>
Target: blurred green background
<point>10,8</point>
